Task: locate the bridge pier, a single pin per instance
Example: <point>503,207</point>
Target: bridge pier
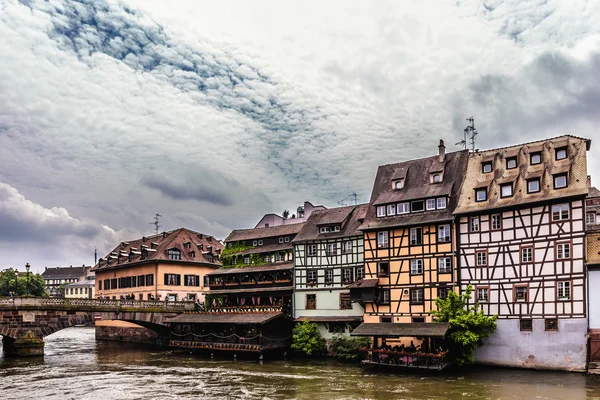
<point>26,345</point>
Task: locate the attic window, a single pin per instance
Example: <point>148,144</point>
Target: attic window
<point>281,239</point>
<point>506,190</point>
<point>324,229</point>
<point>260,242</point>
<point>287,239</point>
<point>486,167</point>
<point>535,158</point>
<point>481,194</point>
<point>511,163</point>
<point>336,228</point>
<point>417,206</point>
<point>192,254</point>
<point>561,153</point>
<point>399,184</point>
<point>436,178</point>
<point>187,245</point>
<point>174,254</point>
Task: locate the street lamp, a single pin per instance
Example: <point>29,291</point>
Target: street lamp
<point>27,266</point>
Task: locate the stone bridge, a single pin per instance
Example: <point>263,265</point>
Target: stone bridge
<point>25,321</point>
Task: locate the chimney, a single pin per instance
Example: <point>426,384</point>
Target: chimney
<point>589,181</point>
<point>442,155</point>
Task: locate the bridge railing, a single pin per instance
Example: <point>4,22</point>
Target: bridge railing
<point>100,304</point>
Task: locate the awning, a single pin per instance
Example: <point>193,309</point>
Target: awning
<point>429,329</point>
<point>363,284</point>
<point>213,318</point>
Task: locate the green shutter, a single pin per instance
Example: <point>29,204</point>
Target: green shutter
<point>185,280</point>
<point>166,279</point>
<point>197,280</point>
<point>178,279</point>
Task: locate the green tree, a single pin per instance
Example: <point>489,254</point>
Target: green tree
<point>10,282</point>
<point>468,326</point>
<point>307,339</point>
<point>349,348</point>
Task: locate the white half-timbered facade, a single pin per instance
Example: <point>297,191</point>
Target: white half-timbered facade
<point>328,256</point>
<point>521,240</point>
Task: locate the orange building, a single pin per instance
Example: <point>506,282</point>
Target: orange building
<point>168,266</point>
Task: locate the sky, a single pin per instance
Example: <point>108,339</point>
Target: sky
<point>213,114</point>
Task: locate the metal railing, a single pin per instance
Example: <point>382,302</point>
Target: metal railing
<point>406,359</point>
<point>100,304</point>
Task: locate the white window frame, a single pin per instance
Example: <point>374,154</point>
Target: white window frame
<point>563,290</point>
<point>329,276</point>
<point>312,276</point>
<point>278,257</point>
<point>281,240</point>
<point>481,261</point>
<point>399,184</point>
<point>416,266</point>
<point>383,239</point>
<point>260,242</point>
<point>347,246</point>
<point>332,249</point>
<point>324,229</point>
<point>436,178</point>
<point>381,211</point>
<point>255,243</point>
<point>496,218</point>
<point>564,211</point>
<point>474,226</point>
<point>442,203</point>
<point>443,228</point>
<point>563,251</point>
<point>311,250</point>
<point>391,209</point>
<point>444,265</point>
<point>526,255</point>
<point>430,204</point>
<point>287,239</point>
<point>360,273</point>
<point>347,275</point>
<point>403,208</point>
<point>483,299</point>
<point>590,218</point>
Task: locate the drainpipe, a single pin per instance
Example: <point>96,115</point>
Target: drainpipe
<point>155,280</point>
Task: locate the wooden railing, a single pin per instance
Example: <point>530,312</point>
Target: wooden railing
<point>100,304</point>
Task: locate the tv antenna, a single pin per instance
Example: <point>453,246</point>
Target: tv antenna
<point>156,222</point>
<point>469,134</point>
<point>351,195</point>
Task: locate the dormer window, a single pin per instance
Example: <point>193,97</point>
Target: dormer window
<point>402,208</point>
<point>324,229</point>
<point>533,185</point>
<point>430,204</point>
<point>511,163</point>
<point>192,254</point>
<point>506,190</point>
<point>561,153</point>
<point>287,239</point>
<point>281,239</point>
<point>380,211</point>
<point>144,254</point>
<point>436,178</point>
<point>486,167</point>
<point>260,242</point>
<point>187,245</point>
<point>336,228</point>
<point>481,194</point>
<point>417,206</point>
<point>174,254</point>
<point>560,181</point>
<point>131,257</point>
<point>441,203</point>
<point>535,158</point>
<point>399,184</point>
<point>391,209</point>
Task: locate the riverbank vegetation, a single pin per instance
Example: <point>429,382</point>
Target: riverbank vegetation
<point>306,339</point>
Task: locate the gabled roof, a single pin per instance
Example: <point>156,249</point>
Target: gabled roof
<point>349,218</point>
<point>157,247</point>
<point>261,233</point>
<point>593,192</point>
<point>65,272</point>
<point>428,329</point>
<point>574,166</point>
<point>417,186</point>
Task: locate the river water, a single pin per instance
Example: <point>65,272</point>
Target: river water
<point>77,367</point>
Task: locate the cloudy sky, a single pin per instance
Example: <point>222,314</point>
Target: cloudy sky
<point>213,114</point>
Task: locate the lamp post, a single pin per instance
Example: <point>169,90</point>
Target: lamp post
<point>16,282</point>
<point>27,266</point>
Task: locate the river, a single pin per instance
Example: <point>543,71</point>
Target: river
<point>77,367</point>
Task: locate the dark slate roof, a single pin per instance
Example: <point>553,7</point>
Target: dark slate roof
<point>429,329</point>
<point>211,318</point>
<point>350,218</point>
<point>261,233</point>
<point>254,268</point>
<point>65,272</point>
<point>593,192</point>
<point>164,242</point>
<point>417,186</point>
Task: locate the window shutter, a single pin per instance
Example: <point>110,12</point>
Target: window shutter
<point>198,280</point>
<point>185,280</point>
<point>166,279</point>
<point>178,279</point>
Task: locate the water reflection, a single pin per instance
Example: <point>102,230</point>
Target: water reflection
<point>76,366</point>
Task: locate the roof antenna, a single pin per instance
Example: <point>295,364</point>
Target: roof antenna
<point>469,134</point>
<point>351,195</point>
<point>156,222</point>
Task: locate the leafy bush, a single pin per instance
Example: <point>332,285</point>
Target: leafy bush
<point>307,339</point>
<point>348,348</point>
<point>468,326</point>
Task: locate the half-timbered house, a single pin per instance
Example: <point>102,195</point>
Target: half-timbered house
<point>409,239</point>
<point>328,257</point>
<point>521,242</point>
<point>592,220</point>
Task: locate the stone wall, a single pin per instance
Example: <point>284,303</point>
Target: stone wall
<point>118,331</point>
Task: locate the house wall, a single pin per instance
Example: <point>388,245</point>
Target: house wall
<point>594,300</point>
<point>84,292</point>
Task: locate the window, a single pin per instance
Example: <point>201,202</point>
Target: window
<point>563,251</point>
<point>131,257</point>
<point>172,279</point>
<point>590,218</point>
<point>535,158</point>
<point>441,203</point>
<point>417,206</point>
<point>332,249</point>
<point>526,255</point>
<point>287,239</point>
<point>347,275</point>
<point>210,258</point>
<point>533,185</point>
<point>383,269</point>
<point>443,292</point>
<point>560,181</point>
<point>402,208</point>
<point>336,228</point>
<point>563,290</point>
<point>481,194</point>
<point>206,281</point>
<point>391,209</point>
<point>551,324</point>
<point>347,247</point>
<point>486,167</point>
<point>418,319</point>
<point>416,296</point>
<point>399,184</point>
<point>560,212</point>
<point>360,273</point>
<point>255,243</point>
<point>444,233</point>
<point>386,320</point>
<point>281,240</point>
<point>311,250</point>
<point>345,302</point>
<point>260,242</point>
<point>430,204</point>
<point>311,301</point>
<point>526,325</point>
<point>311,277</point>
<point>444,265</point>
<point>416,236</point>
<point>174,254</point>
<point>324,229</point>
<point>474,224</point>
<point>483,294</point>
<point>246,260</point>
<point>268,259</point>
<point>436,178</point>
<point>99,285</point>
<point>506,190</point>
<point>382,239</point>
<point>521,293</point>
<point>192,254</point>
<point>150,280</point>
<point>381,211</point>
<point>278,257</point>
<point>511,163</point>
<point>328,276</point>
<point>187,245</point>
<point>384,296</point>
<point>561,153</point>
<point>416,267</point>
<point>191,280</point>
<point>496,222</point>
<point>481,258</point>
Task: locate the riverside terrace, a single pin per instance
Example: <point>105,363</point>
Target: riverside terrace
<point>25,321</point>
